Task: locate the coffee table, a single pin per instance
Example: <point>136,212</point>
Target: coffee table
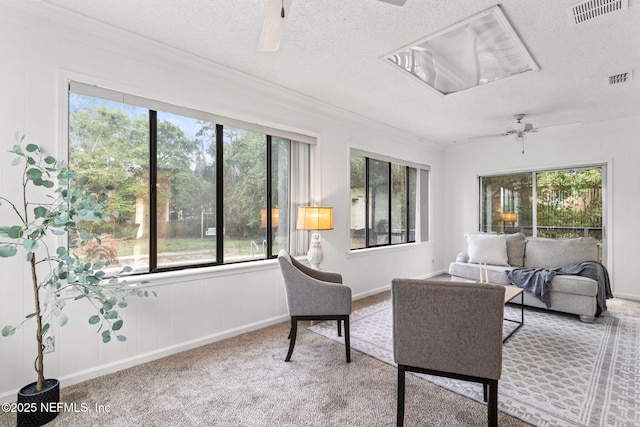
<point>511,292</point>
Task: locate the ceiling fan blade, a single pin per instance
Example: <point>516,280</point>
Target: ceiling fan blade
<point>560,125</point>
<point>487,136</point>
<point>273,26</point>
<point>396,2</point>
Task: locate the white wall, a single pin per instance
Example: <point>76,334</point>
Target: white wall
<point>616,143</point>
<point>38,55</point>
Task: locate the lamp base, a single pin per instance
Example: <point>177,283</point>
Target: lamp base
<point>314,255</point>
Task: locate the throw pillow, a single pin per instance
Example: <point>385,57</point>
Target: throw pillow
<point>489,248</point>
<point>516,243</point>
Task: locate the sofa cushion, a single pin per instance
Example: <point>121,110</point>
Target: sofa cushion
<point>487,248</point>
<point>515,249</point>
<point>466,271</point>
<point>541,252</point>
<point>577,285</point>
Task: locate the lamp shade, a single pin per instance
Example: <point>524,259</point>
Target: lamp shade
<point>509,217</point>
<point>315,218</point>
<point>274,217</point>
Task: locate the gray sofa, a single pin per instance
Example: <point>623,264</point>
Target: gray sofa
<point>568,293</point>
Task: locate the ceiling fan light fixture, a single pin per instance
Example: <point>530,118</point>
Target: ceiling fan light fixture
<point>519,126</point>
<point>520,140</point>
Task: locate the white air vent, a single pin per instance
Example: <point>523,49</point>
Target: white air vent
<point>589,9</point>
<point>619,78</point>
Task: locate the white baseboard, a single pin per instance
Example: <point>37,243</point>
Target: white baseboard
<point>98,371</point>
<point>388,287</point>
<point>626,296</point>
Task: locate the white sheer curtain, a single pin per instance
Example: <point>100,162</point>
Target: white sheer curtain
<point>300,194</point>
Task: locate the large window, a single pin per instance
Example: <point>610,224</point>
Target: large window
<point>190,189</point>
<point>384,202</point>
<point>559,203</point>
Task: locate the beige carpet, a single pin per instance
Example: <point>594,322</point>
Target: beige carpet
<point>244,381</point>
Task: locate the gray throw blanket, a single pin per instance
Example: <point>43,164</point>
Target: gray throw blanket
<point>537,281</point>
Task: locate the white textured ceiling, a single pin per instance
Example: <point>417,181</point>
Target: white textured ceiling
<point>331,51</point>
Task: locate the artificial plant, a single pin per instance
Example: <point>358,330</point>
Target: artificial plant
<point>73,271</point>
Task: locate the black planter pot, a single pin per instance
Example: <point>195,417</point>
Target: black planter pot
<point>36,408</point>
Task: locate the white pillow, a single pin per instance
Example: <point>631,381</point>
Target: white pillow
<point>489,248</point>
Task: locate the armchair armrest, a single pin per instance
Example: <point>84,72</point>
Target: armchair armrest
<point>324,276</point>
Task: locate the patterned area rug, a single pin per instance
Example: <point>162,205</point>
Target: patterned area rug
<point>557,371</point>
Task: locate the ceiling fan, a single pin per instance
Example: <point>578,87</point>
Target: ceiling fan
<point>519,129</point>
<point>276,17</point>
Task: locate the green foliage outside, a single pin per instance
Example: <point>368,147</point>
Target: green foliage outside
<point>569,202</point>
<point>109,142</point>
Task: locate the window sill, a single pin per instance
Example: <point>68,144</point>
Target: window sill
<point>354,253</point>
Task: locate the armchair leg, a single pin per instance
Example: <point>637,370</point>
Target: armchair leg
<point>485,387</point>
<point>492,405</point>
<point>339,328</point>
<point>292,336</point>
<point>347,338</point>
<point>400,413</point>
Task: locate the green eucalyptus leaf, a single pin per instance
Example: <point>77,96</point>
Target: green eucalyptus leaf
<point>64,319</point>
<point>121,338</point>
<point>45,328</point>
<point>34,174</point>
<point>58,231</point>
<point>29,316</point>
<point>31,148</point>
<point>7,251</point>
<point>40,212</point>
<point>15,232</point>
<point>117,325</point>
<point>122,304</point>
<point>94,319</point>
<point>17,149</point>
<point>8,330</point>
<point>16,161</point>
<point>30,245</point>
<point>48,184</point>
<point>49,160</point>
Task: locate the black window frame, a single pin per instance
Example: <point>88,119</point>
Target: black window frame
<point>411,234</point>
<point>219,194</point>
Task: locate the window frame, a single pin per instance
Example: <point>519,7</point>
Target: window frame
<point>420,218</point>
<point>604,168</point>
<point>154,107</point>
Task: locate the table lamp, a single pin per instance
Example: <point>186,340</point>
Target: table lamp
<point>315,218</point>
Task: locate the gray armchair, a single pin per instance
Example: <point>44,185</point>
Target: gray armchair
<point>449,329</point>
<point>314,295</point>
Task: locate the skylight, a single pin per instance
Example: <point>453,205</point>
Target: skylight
<point>478,50</point>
